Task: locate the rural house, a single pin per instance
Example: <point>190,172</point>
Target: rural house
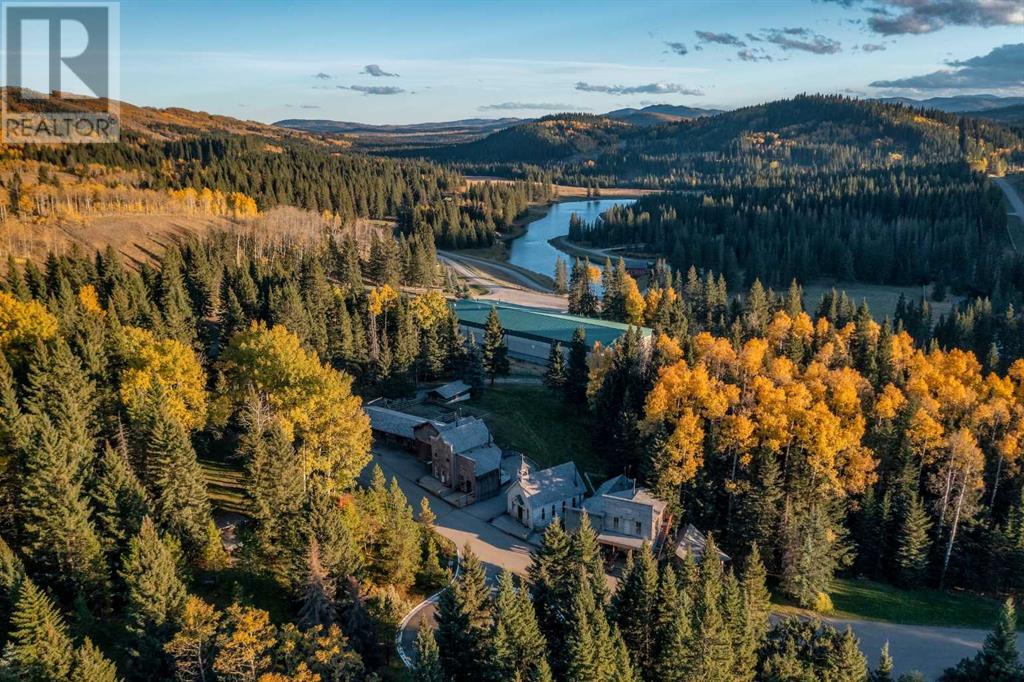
<point>465,458</point>
<point>539,496</point>
<point>624,515</point>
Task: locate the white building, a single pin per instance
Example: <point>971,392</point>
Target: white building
<point>539,496</point>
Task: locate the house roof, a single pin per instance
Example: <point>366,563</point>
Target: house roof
<point>540,324</point>
<point>450,390</point>
<point>486,458</point>
<point>693,541</point>
<point>393,422</point>
<point>465,434</point>
<point>624,488</point>
<point>550,485</point>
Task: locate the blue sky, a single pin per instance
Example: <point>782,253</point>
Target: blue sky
<point>268,60</point>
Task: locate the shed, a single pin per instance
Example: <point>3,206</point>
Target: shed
<point>454,392</point>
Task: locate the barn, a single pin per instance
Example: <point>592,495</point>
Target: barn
<point>530,332</point>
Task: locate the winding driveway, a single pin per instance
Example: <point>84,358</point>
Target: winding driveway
<point>927,649</point>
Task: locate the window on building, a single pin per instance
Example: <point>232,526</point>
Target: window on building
<point>542,513</point>
<point>615,522</point>
<point>639,528</point>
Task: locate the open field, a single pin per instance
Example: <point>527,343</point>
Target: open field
<point>533,420</point>
<point>869,600</point>
<point>881,298</point>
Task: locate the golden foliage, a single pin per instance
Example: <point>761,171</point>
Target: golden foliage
<point>24,323</point>
<point>313,401</point>
<point>166,365</point>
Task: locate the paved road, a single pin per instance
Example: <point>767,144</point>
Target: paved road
<point>470,525</point>
<point>1013,196</point>
<point>597,256</point>
<point>502,283</point>
<point>927,649</point>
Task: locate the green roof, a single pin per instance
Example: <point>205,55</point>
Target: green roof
<point>541,324</point>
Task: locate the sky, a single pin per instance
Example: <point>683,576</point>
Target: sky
<point>406,62</point>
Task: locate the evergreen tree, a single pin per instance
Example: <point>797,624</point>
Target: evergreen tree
<point>495,352</point>
<point>555,375</point>
<point>56,522</point>
<point>318,598</point>
<point>845,661</point>
<point>914,545</point>
<point>883,673</point>
<point>756,597</point>
<point>672,631</point>
<point>713,653</point>
<point>551,580</point>
<point>119,498</point>
<point>635,607</point>
<point>154,597</point>
<point>519,648</point>
<point>39,648</point>
<point>176,483</point>
<point>428,664</point>
<point>577,372</point>
<point>561,276</point>
<point>585,553</point>
<point>464,624</point>
<point>998,660</point>
<point>90,665</point>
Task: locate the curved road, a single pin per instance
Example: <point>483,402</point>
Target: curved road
<point>502,282</point>
<point>1016,203</point>
<point>927,649</point>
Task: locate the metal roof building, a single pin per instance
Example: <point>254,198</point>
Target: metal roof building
<point>531,331</point>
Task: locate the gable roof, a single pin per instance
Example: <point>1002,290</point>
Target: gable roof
<point>550,485</point>
<point>692,541</point>
<point>393,422</point>
<point>450,390</point>
<point>486,459</point>
<point>465,433</point>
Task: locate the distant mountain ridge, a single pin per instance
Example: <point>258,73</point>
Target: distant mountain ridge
<point>659,114</point>
<point>957,104</point>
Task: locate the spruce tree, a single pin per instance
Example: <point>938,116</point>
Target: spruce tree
<point>998,660</point>
<point>495,352</point>
<point>635,607</point>
<point>551,581</point>
<point>555,374</point>
<point>883,673</point>
<point>154,597</point>
<point>586,553</point>
<point>713,652</point>
<point>119,498</point>
<point>577,372</point>
<point>518,645</point>
<point>464,624</point>
<point>56,521</point>
<point>318,598</point>
<point>561,276</point>
<point>756,596</point>
<point>914,545</point>
<point>39,648</point>
<point>428,664</point>
<point>177,483</point>
<point>845,661</point>
<point>90,665</point>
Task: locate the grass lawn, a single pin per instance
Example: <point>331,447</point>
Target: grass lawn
<point>869,600</point>
<point>533,420</point>
<point>225,486</point>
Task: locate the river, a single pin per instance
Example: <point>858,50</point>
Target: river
<point>532,251</point>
